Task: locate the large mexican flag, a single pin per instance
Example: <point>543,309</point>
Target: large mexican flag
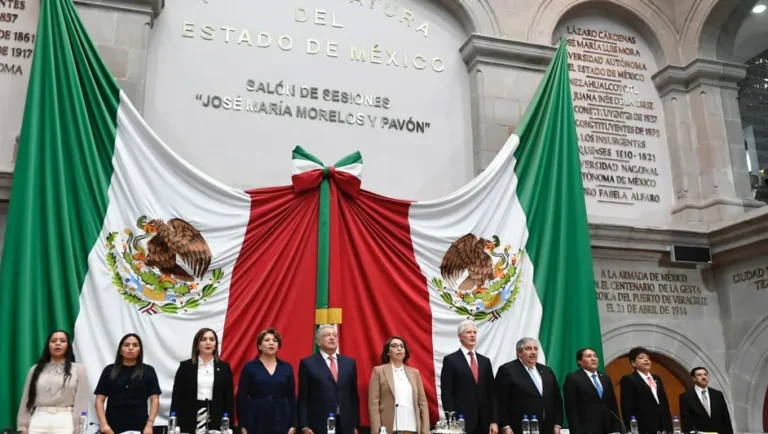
<point>111,232</point>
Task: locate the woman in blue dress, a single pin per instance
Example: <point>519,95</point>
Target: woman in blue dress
<point>266,395</point>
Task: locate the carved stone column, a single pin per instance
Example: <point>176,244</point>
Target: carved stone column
<point>706,143</point>
<point>504,75</point>
<point>120,29</point>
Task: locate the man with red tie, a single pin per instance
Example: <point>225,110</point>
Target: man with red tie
<point>328,384</point>
<point>466,384</point>
<point>643,396</point>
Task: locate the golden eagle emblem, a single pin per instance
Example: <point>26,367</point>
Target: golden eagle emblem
<point>160,266</point>
<point>479,281</point>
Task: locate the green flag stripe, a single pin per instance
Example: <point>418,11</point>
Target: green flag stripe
<point>551,195</point>
<point>59,194</point>
<point>353,158</point>
<point>300,154</point>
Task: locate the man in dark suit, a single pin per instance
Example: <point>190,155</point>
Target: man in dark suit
<point>466,384</point>
<point>703,408</point>
<point>590,402</point>
<point>643,396</point>
<point>328,384</point>
<point>526,387</point>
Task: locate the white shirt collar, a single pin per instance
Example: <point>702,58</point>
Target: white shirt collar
<point>645,375</point>
<point>204,365</point>
<point>527,368</point>
<point>591,373</point>
<point>466,351</point>
<point>326,355</point>
<point>699,389</point>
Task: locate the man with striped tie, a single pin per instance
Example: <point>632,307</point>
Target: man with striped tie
<point>590,402</point>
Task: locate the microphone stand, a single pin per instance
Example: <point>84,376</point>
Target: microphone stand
<point>624,429</point>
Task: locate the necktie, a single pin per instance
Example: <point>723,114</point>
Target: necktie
<point>705,401</point>
<point>473,366</point>
<point>651,383</point>
<point>597,385</point>
<point>334,370</point>
<point>536,381</point>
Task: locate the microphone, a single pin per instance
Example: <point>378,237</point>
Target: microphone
<point>624,429</point>
<point>395,431</point>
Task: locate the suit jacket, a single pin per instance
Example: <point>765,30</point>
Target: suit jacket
<point>320,395</point>
<point>637,400</point>
<point>587,412</point>
<point>184,396</point>
<point>518,396</point>
<point>460,393</point>
<point>381,399</point>
<point>693,416</point>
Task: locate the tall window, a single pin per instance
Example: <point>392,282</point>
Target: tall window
<point>753,105</point>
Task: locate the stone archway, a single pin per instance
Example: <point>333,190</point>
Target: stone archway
<point>644,16</point>
<point>673,376</point>
<point>666,342</point>
<point>477,16</point>
<point>749,372</point>
<point>708,27</point>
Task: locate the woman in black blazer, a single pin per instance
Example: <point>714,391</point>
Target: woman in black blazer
<point>203,385</point>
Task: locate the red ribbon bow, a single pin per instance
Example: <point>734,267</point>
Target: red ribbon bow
<point>312,179</point>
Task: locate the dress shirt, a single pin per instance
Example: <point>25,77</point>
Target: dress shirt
<point>328,362</point>
<point>707,405</point>
<point>205,380</point>
<point>653,389</point>
<point>405,408</point>
<point>535,376</point>
<point>466,355</point>
<point>326,358</point>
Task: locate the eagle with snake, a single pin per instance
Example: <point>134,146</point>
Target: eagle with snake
<point>177,244</point>
<point>468,253</point>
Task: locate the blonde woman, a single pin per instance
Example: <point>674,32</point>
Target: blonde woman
<point>203,389</point>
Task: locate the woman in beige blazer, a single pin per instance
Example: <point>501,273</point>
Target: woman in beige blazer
<point>396,397</point>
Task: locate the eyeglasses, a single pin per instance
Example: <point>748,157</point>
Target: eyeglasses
<point>397,346</point>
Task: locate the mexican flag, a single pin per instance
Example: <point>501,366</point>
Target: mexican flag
<point>110,232</point>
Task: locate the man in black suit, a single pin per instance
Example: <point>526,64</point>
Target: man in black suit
<point>466,384</point>
<point>328,384</point>
<point>590,402</point>
<point>703,408</point>
<point>526,387</point>
<point>643,396</point>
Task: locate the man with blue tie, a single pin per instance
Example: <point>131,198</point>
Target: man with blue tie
<point>328,384</point>
<point>590,402</point>
<point>528,388</point>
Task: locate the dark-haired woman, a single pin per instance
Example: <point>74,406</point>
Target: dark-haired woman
<point>56,391</point>
<point>203,389</point>
<point>266,394</point>
<point>126,386</point>
<point>396,392</point>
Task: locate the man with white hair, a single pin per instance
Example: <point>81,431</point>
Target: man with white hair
<point>328,384</point>
<point>466,384</point>
<point>525,387</point>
